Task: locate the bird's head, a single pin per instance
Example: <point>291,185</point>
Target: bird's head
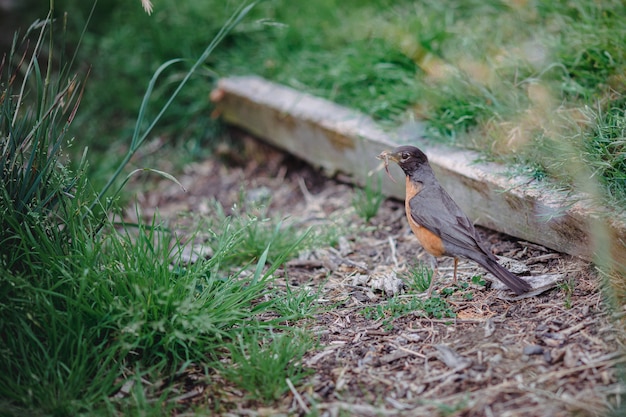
<point>409,158</point>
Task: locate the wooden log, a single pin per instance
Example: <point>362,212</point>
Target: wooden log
<point>338,139</point>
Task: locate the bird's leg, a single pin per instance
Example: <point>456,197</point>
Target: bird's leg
<point>435,268</point>
<point>456,263</point>
<point>432,284</point>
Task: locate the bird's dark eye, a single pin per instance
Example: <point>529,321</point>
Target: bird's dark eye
<point>405,156</point>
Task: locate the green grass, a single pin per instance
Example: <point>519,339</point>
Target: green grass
<point>257,229</point>
<point>261,366</point>
<point>396,307</point>
<point>418,278</point>
<point>257,226</point>
<point>89,305</point>
<point>297,303</point>
<point>367,201</point>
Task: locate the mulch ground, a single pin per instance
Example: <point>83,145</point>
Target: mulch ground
<point>557,353</point>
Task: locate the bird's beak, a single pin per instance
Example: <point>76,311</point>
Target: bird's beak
<point>385,156</point>
<point>389,156</point>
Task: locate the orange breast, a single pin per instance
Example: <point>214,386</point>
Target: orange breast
<point>429,240</point>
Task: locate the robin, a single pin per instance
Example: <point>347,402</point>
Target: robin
<point>438,222</point>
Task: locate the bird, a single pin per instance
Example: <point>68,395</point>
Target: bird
<point>438,222</point>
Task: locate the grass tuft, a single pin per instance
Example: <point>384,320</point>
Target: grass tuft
<point>254,231</point>
<point>367,201</point>
<point>297,303</point>
<point>418,278</point>
<point>261,365</point>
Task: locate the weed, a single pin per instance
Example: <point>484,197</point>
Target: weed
<point>367,201</point>
<point>478,280</point>
<point>255,231</point>
<point>419,278</point>
<point>296,304</point>
<point>437,307</point>
<point>261,364</point>
<point>397,307</point>
<point>568,290</point>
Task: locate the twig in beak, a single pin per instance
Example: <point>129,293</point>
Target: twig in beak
<point>384,156</point>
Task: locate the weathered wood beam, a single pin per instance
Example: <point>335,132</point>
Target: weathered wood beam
<point>338,139</point>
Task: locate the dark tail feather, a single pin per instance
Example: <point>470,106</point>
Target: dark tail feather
<point>518,285</point>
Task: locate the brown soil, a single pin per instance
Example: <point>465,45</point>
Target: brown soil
<point>553,354</point>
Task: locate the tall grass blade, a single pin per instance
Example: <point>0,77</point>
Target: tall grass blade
<point>138,136</point>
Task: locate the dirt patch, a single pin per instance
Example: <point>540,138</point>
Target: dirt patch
<point>554,354</point>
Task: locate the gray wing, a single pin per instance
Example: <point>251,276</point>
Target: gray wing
<point>435,210</point>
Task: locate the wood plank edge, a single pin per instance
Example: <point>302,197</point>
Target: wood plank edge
<point>338,139</point>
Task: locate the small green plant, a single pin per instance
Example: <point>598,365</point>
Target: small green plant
<point>396,307</point>
<point>437,307</point>
<point>567,287</point>
<point>367,201</point>
<point>418,278</point>
<point>445,410</point>
<point>296,304</point>
<point>478,280</point>
<point>261,363</point>
<point>256,230</point>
